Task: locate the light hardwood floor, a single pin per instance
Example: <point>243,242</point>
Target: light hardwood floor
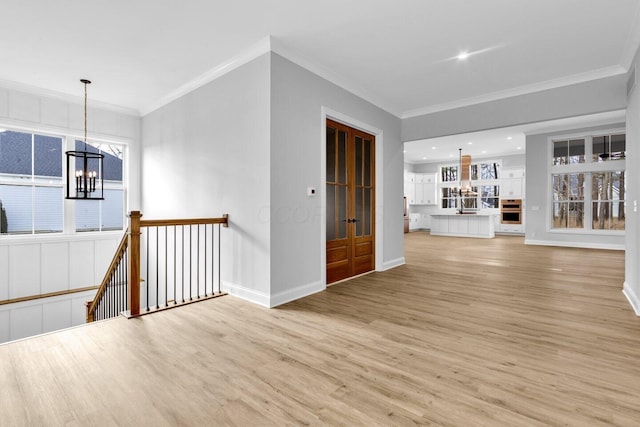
<point>467,333</point>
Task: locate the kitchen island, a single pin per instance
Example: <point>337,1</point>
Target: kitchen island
<point>480,225</point>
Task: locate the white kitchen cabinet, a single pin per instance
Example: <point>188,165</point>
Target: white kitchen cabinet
<point>410,187</point>
<point>512,184</point>
<point>425,189</point>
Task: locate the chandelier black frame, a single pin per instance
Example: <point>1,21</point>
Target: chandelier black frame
<point>85,173</point>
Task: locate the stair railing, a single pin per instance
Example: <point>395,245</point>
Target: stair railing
<point>161,264</point>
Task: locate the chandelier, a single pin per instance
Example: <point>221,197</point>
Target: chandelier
<point>85,175</point>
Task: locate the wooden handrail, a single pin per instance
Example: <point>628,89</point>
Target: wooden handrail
<point>47,295</point>
<point>224,220</point>
<point>131,242</point>
<point>122,247</point>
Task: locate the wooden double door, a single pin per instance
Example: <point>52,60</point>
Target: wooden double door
<point>350,202</point>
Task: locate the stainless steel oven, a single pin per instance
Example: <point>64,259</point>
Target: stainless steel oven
<point>511,211</point>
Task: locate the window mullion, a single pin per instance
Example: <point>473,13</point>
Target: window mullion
<point>68,209</point>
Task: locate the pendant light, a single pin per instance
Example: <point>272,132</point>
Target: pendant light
<point>85,175</point>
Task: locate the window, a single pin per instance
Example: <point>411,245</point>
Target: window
<point>449,174</point>
<point>569,151</point>
<point>107,214</point>
<point>608,200</point>
<point>449,197</point>
<point>592,161</point>
<point>32,168</point>
<point>31,186</point>
<point>484,192</point>
<point>609,147</point>
<point>568,200</point>
<point>490,196</point>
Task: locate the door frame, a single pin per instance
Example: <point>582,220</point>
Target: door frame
<point>327,113</point>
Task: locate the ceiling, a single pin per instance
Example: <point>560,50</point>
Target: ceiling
<point>399,55</point>
<point>496,142</point>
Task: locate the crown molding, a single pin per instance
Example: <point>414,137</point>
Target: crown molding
<point>71,99</point>
<point>270,44</point>
<point>248,55</point>
<point>336,79</point>
<point>632,44</point>
<point>522,90</point>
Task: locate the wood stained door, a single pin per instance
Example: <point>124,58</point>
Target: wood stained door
<point>350,202</point>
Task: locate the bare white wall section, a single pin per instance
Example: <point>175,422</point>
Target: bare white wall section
<point>206,154</point>
<point>632,267</point>
<point>25,319</point>
<point>298,100</point>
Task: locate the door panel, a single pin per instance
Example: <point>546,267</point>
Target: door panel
<point>350,202</point>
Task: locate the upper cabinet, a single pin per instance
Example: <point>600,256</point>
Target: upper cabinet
<point>512,184</point>
<point>420,188</point>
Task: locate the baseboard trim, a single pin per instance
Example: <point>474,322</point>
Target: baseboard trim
<point>388,265</point>
<point>632,297</point>
<point>607,246</point>
<point>296,293</point>
<point>246,294</point>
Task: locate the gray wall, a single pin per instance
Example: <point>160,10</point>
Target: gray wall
<point>595,96</point>
<point>206,154</point>
<point>249,144</point>
<point>538,189</point>
<point>297,99</point>
<point>632,284</point>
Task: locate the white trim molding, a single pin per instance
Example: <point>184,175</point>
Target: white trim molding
<point>586,245</point>
<point>632,297</point>
<point>388,265</point>
<point>522,90</point>
<point>296,293</point>
<point>246,294</point>
<point>244,57</point>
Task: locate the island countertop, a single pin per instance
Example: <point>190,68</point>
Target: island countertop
<point>480,225</point>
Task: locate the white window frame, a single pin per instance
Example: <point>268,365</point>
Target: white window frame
<point>69,209</point>
<point>587,168</point>
<point>479,183</point>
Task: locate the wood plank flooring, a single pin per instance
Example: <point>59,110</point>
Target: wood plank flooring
<point>467,333</point>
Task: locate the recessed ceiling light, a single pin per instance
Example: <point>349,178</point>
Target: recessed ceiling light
<point>433,148</point>
<point>519,148</point>
<point>463,55</point>
<point>404,151</point>
<point>424,158</point>
<point>470,143</point>
<point>509,138</point>
<point>484,151</point>
<point>450,155</point>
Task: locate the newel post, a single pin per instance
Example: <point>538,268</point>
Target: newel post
<point>134,263</point>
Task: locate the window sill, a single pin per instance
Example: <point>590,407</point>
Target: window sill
<point>575,231</point>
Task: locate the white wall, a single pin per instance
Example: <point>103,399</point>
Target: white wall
<point>208,153</point>
<point>632,267</point>
<point>249,144</point>
<point>538,188</point>
<point>298,99</point>
<point>38,264</point>
<point>25,319</point>
<point>595,96</point>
